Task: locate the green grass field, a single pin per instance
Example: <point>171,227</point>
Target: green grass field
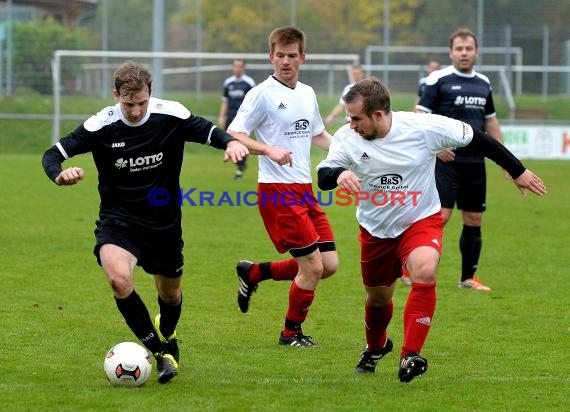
<point>501,351</point>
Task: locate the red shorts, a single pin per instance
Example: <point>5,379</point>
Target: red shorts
<point>293,218</point>
<point>381,260</point>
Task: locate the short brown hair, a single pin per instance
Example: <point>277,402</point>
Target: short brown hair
<point>375,95</point>
<point>287,35</point>
<point>131,77</point>
<point>462,32</point>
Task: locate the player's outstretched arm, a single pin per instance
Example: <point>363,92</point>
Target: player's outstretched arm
<point>523,178</point>
<point>278,154</point>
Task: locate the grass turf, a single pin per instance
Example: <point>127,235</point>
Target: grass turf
<point>499,351</point>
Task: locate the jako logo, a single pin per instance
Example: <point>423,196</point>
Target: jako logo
<point>118,144</point>
<point>139,161</point>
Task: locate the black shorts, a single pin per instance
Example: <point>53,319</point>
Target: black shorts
<point>158,252</point>
<point>462,183</point>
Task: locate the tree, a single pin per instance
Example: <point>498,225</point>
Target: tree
<point>332,26</point>
<point>34,44</point>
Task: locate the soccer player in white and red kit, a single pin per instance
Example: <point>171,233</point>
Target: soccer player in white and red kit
<point>387,159</point>
<point>284,115</point>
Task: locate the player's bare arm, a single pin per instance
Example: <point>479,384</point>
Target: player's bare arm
<point>222,115</point>
<point>323,140</point>
<point>493,129</point>
<point>69,176</point>
<point>279,155</point>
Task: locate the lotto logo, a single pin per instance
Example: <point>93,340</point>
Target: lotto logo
<point>140,163</point>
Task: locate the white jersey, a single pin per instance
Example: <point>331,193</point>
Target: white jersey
<point>281,117</point>
<point>397,171</point>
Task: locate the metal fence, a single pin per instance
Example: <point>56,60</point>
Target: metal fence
<point>534,58</point>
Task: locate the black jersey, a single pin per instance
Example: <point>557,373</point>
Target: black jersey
<point>235,90</point>
<point>421,85</point>
<point>468,98</point>
<point>137,161</point>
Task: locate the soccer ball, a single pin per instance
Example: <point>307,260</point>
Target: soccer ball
<point>127,364</point>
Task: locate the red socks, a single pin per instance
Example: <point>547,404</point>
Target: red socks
<point>284,269</point>
<point>300,301</point>
<point>281,270</point>
<point>418,314</point>
<point>376,322</point>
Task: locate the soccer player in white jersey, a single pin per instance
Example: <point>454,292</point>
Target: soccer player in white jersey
<point>387,160</point>
<point>138,147</point>
<point>357,74</point>
<point>284,114</point>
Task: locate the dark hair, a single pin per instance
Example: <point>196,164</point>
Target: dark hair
<point>131,77</point>
<point>462,32</point>
<point>287,35</point>
<point>375,95</point>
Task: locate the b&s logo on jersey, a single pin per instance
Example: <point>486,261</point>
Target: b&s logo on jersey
<point>138,164</point>
<point>299,128</point>
<point>389,183</point>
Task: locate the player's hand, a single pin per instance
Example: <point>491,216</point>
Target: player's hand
<point>446,155</point>
<point>280,156</point>
<point>528,181</point>
<point>235,151</point>
<point>349,181</point>
<point>69,176</point>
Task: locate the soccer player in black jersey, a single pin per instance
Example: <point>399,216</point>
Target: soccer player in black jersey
<point>137,146</point>
<point>235,88</point>
<point>458,91</point>
<point>431,66</point>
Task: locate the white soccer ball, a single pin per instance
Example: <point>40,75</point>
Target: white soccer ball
<point>127,364</point>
